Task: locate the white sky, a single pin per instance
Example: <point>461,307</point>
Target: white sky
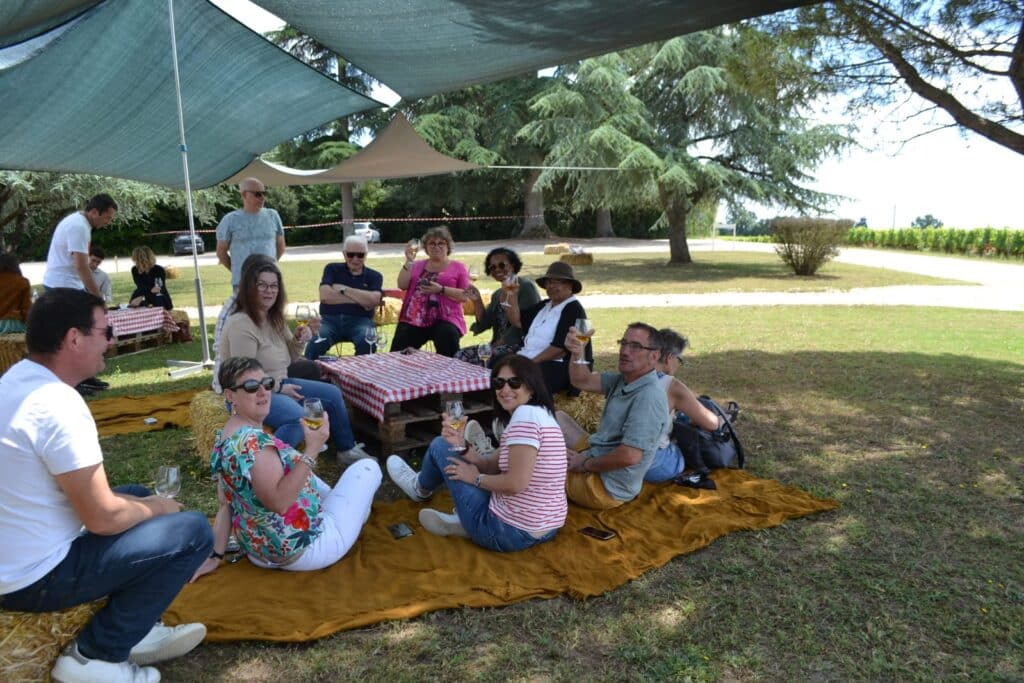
<point>965,181</point>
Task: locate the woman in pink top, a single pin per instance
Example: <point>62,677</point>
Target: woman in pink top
<point>505,503</point>
<point>434,291</point>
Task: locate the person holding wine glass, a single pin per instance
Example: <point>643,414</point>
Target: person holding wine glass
<point>257,329</point>
<point>349,294</point>
<point>150,281</point>
<point>546,323</point>
<point>505,503</point>
<point>434,292</point>
<point>499,263</point>
<point>281,513</point>
<point>168,481</point>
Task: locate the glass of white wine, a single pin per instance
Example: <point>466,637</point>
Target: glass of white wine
<point>372,337</point>
<point>313,415</point>
<point>456,419</point>
<point>584,331</point>
<point>168,481</point>
<point>484,351</point>
<point>415,244</point>
<point>382,340</point>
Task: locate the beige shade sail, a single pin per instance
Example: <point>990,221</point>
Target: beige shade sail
<point>397,152</point>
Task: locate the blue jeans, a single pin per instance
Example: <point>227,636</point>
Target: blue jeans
<point>471,503</point>
<point>667,463</point>
<point>285,413</point>
<point>139,570</point>
<point>338,328</point>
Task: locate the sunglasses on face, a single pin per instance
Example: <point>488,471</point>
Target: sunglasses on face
<point>257,193</point>
<point>495,266</point>
<point>108,331</point>
<point>251,386</point>
<point>355,254</point>
<point>499,383</point>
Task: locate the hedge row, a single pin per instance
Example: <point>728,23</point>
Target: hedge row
<point>979,242</point>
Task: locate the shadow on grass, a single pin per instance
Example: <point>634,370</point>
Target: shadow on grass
<point>626,270</point>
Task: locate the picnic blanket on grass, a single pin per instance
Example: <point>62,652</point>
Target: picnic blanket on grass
<point>125,414</point>
<point>382,578</point>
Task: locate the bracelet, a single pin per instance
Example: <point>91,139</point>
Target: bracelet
<point>307,461</point>
<point>442,290</point>
<point>407,264</point>
<point>214,555</point>
<point>479,480</point>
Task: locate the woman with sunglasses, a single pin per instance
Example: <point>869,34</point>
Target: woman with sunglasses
<point>283,515</point>
<point>506,338</point>
<point>510,502</point>
<point>434,292</point>
<point>257,329</point>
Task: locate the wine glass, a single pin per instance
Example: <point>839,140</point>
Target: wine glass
<point>509,285</point>
<point>168,481</point>
<point>416,244</point>
<point>456,419</point>
<point>303,314</point>
<point>382,340</point>
<point>372,338</point>
<point>484,351</point>
<point>474,273</point>
<point>313,415</point>
<point>584,331</point>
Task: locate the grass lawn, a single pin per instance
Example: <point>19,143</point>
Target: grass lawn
<point>610,274</point>
<point>909,417</point>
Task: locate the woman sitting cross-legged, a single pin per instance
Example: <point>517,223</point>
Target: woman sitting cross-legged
<point>282,514</point>
<point>507,503</point>
<point>256,328</point>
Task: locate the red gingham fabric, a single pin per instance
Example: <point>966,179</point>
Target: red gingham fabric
<point>132,320</point>
<point>371,381</point>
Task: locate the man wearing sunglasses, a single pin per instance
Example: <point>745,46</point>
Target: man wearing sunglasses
<point>349,292</point>
<point>137,549</point>
<point>607,468</point>
<point>253,229</point>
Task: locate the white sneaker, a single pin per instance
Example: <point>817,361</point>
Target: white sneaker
<point>353,454</point>
<point>167,642</point>
<point>405,477</point>
<point>73,667</point>
<point>441,524</point>
<point>476,437</point>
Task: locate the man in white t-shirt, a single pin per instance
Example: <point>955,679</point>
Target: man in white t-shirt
<point>68,538</point>
<point>67,263</point>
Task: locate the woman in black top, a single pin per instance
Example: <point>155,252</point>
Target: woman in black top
<point>150,281</point>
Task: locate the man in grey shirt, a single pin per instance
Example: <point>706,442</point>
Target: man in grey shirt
<point>607,469</point>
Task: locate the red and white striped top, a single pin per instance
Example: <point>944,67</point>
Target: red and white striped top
<point>542,505</point>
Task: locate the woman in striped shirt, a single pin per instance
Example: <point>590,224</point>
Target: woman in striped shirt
<point>505,503</point>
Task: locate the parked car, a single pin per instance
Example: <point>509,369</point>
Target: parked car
<point>368,231</point>
<point>182,244</point>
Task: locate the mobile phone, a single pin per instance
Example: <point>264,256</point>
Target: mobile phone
<point>599,534</point>
<point>400,530</point>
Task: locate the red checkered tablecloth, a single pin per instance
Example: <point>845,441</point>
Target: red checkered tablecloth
<point>132,320</point>
<point>371,381</point>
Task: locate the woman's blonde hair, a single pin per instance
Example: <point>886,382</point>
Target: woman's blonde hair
<point>442,232</point>
<point>144,258</point>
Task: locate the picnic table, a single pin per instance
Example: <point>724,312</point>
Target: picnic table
<point>135,328</point>
<point>396,399</point>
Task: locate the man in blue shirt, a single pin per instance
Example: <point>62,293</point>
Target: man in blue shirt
<point>349,293</point>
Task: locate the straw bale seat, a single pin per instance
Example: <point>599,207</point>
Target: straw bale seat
<point>180,317</point>
<point>208,414</point>
<point>172,272</point>
<point>387,312</point>
<point>577,259</point>
<point>31,641</point>
<point>554,249</point>
<point>586,408</point>
<point>12,349</point>
<point>467,305</point>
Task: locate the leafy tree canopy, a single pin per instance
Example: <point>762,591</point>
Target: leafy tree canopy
<point>926,221</point>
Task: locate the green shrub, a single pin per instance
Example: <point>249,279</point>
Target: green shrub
<point>806,244</point>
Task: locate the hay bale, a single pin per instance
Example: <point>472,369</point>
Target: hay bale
<point>577,259</point>
<point>553,249</point>
<point>30,642</point>
<point>586,408</point>
<point>12,349</point>
<point>180,317</point>
<point>387,312</point>
<point>467,305</point>
<point>208,414</point>
<point>172,272</point>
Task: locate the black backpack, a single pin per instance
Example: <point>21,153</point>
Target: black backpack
<point>703,450</point>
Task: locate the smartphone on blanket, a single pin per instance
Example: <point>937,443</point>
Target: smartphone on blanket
<point>400,530</point>
<point>599,534</point>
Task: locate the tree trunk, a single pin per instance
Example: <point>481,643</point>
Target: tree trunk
<point>604,223</point>
<point>347,209</point>
<point>676,210</point>
<point>533,208</point>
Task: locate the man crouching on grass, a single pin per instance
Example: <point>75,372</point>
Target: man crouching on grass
<point>136,549</point>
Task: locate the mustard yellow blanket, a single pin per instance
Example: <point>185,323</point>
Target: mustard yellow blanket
<point>125,414</point>
<point>383,578</point>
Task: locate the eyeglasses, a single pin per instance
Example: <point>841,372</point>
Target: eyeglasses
<point>355,254</point>
<point>635,346</point>
<point>437,243</point>
<point>109,330</point>
<point>496,265</point>
<point>268,286</point>
<point>257,193</point>
<point>251,386</point>
<point>498,383</point>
